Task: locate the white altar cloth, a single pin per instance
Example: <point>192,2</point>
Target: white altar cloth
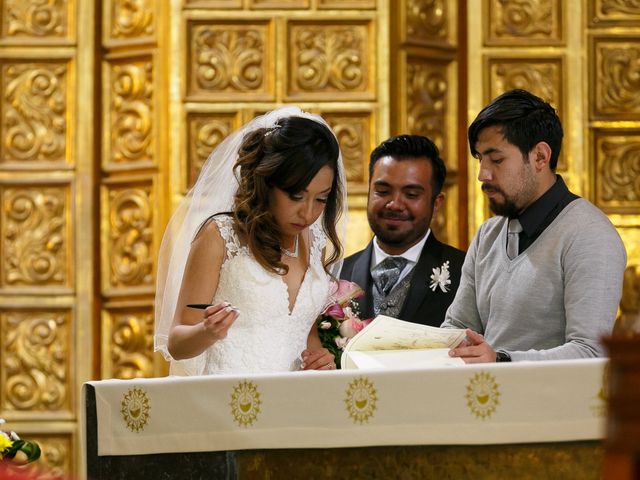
<point>472,404</point>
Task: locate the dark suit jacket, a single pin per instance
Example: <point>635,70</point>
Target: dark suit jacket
<point>422,305</point>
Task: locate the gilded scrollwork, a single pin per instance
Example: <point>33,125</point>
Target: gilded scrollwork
<point>618,179</point>
<point>132,345</point>
<point>619,11</point>
<point>36,360</point>
<point>131,18</point>
<point>130,237</point>
<point>132,111</point>
<point>542,78</point>
<point>206,133</point>
<point>57,457</point>
<point>329,58</point>
<point>33,116</point>
<point>427,21</point>
<point>229,58</point>
<point>427,102</point>
<point>38,18</point>
<point>35,236</point>
<point>524,20</point>
<point>353,133</point>
<point>618,78</point>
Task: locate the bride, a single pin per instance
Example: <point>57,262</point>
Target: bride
<point>243,266</point>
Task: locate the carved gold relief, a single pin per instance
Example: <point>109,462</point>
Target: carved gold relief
<point>56,461</point>
<point>36,360</point>
<point>340,4</point>
<point>33,115</point>
<point>282,4</point>
<point>427,102</point>
<point>353,131</point>
<point>329,59</point>
<point>130,347</point>
<point>132,112</point>
<point>618,175</point>
<point>524,21</point>
<point>35,237</point>
<point>622,12</point>
<point>131,18</point>
<point>616,79</point>
<point>130,237</point>
<point>206,131</point>
<point>35,18</point>
<point>230,59</point>
<point>427,21</point>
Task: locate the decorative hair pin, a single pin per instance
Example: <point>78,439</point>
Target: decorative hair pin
<point>272,129</point>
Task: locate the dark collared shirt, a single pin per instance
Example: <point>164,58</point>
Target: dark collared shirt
<point>543,211</point>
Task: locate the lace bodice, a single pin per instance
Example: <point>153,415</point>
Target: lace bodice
<point>266,337</point>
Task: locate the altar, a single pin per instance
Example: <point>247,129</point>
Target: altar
<point>524,420</point>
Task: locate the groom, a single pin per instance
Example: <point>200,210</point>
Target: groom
<point>405,271</point>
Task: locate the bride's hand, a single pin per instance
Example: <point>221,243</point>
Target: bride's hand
<point>320,359</point>
<point>218,319</point>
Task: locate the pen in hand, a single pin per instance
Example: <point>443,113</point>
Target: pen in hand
<point>202,306</point>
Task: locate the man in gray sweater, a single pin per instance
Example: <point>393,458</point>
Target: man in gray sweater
<point>543,278</point>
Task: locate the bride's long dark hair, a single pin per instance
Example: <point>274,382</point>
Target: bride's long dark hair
<point>287,156</point>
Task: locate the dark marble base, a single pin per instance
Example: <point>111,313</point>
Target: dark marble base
<point>565,460</point>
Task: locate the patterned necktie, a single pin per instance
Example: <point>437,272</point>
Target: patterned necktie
<point>513,238</point>
<point>387,272</point>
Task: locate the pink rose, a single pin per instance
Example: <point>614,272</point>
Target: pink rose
<point>334,311</point>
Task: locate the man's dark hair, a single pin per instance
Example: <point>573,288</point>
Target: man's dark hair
<point>403,147</point>
<point>524,120</point>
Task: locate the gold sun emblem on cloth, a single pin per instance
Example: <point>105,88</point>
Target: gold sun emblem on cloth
<point>135,409</point>
<point>361,400</point>
<point>245,403</point>
<point>483,395</point>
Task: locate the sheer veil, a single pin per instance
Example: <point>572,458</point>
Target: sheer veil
<point>212,193</point>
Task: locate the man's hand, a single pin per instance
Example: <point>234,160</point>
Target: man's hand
<point>474,349</point>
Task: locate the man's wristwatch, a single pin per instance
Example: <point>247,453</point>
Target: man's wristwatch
<point>503,357</point>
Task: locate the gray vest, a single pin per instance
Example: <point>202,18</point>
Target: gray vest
<point>391,305</point>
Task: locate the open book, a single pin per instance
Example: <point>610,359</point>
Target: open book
<point>388,342</point>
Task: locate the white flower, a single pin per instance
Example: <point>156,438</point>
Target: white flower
<point>325,325</point>
<point>440,277</point>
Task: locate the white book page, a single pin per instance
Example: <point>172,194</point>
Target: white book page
<point>381,359</point>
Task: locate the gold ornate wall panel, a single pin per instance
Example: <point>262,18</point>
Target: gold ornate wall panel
<point>524,22</point>
<point>425,68</point>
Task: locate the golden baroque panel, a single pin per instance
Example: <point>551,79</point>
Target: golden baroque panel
<point>540,76</point>
<point>427,102</point>
<point>615,78</point>
<point>128,351</point>
<point>343,4</point>
<point>129,98</point>
<point>354,131</point>
<point>427,22</point>
<point>130,18</point>
<point>128,241</point>
<point>36,361</point>
<point>330,58</point>
<point>614,12</point>
<point>617,157</point>
<point>41,18</point>
<point>524,22</point>
<point>36,237</point>
<point>279,4</point>
<point>230,61</point>
<point>34,122</point>
<point>206,131</point>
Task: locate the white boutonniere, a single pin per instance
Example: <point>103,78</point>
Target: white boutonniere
<point>440,278</point>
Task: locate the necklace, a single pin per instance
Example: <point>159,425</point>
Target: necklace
<point>294,253</point>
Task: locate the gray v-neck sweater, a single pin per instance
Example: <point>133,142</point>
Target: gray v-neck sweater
<point>553,301</point>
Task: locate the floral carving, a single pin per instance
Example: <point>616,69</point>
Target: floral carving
<point>206,134</point>
<point>523,19</point>
<point>229,58</point>
<point>618,9</point>
<point>131,18</point>
<point>540,78</point>
<point>619,167</point>
<point>40,18</point>
<point>427,20</point>
<point>34,112</point>
<point>427,102</point>
<point>618,78</point>
<point>130,222</point>
<point>329,58</point>
<point>353,136</point>
<point>132,112</point>
<point>34,237</point>
<point>132,345</point>
<point>36,360</point>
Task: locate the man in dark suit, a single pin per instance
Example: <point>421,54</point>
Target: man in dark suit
<point>405,271</point>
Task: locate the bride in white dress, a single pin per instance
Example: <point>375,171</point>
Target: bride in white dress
<point>254,240</point>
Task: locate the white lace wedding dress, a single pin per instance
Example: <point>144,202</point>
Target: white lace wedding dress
<point>266,337</point>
